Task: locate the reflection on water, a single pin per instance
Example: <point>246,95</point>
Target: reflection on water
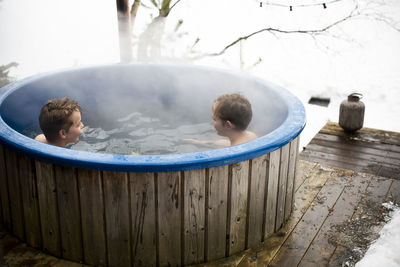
<point>136,134</point>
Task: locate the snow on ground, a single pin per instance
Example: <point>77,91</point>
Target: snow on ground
<point>385,250</point>
<point>359,55</point>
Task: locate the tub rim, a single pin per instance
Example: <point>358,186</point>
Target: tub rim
<point>291,127</point>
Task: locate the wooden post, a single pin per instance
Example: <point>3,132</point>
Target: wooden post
<point>124,29</point>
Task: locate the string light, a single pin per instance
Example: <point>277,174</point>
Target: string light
<point>324,4</point>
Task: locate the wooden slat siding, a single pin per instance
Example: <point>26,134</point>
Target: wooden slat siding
<point>30,201</point>
<point>143,219</point>
<point>383,159</point>
<point>69,212</point>
<point>238,202</point>
<point>116,199</point>
<point>272,193</point>
<point>93,217</point>
<point>298,241</point>
<point>194,208</point>
<point>169,217</point>
<point>283,179</point>
<point>376,192</point>
<point>257,200</point>
<point>47,196</point>
<point>6,216</point>
<point>291,174</point>
<point>217,212</point>
<point>16,206</point>
<point>321,250</point>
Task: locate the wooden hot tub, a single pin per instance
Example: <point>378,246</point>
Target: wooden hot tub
<point>153,210</point>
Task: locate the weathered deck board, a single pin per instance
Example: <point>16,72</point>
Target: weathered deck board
<point>367,150</point>
<point>374,135</point>
<point>321,249</point>
<point>312,184</point>
<point>375,194</point>
<point>296,244</point>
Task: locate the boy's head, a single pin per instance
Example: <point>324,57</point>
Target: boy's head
<point>234,108</point>
<point>60,119</point>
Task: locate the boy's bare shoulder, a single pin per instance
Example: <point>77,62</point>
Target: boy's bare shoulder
<point>41,138</point>
<point>251,135</point>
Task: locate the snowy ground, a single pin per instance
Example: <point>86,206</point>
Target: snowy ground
<point>358,55</point>
<point>385,250</point>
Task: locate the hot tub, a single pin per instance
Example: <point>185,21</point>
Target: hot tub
<point>156,210</point>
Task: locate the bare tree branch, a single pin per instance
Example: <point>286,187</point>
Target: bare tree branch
<point>274,31</point>
<point>174,4</point>
<point>354,12</point>
<point>387,20</point>
<point>154,3</point>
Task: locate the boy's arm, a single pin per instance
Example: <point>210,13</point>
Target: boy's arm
<point>220,143</point>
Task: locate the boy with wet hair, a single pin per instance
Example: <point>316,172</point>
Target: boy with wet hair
<point>60,121</point>
<point>232,114</point>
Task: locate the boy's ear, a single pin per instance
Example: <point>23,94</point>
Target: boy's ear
<point>229,124</point>
<point>62,134</point>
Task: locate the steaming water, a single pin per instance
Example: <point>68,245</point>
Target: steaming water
<point>136,134</point>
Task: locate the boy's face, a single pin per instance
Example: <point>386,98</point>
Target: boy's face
<point>72,136</point>
<point>219,126</point>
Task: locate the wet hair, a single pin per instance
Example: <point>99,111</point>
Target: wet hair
<point>56,115</point>
<point>234,108</point>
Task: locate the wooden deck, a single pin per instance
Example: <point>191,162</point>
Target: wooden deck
<point>368,150</point>
<point>338,210</point>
